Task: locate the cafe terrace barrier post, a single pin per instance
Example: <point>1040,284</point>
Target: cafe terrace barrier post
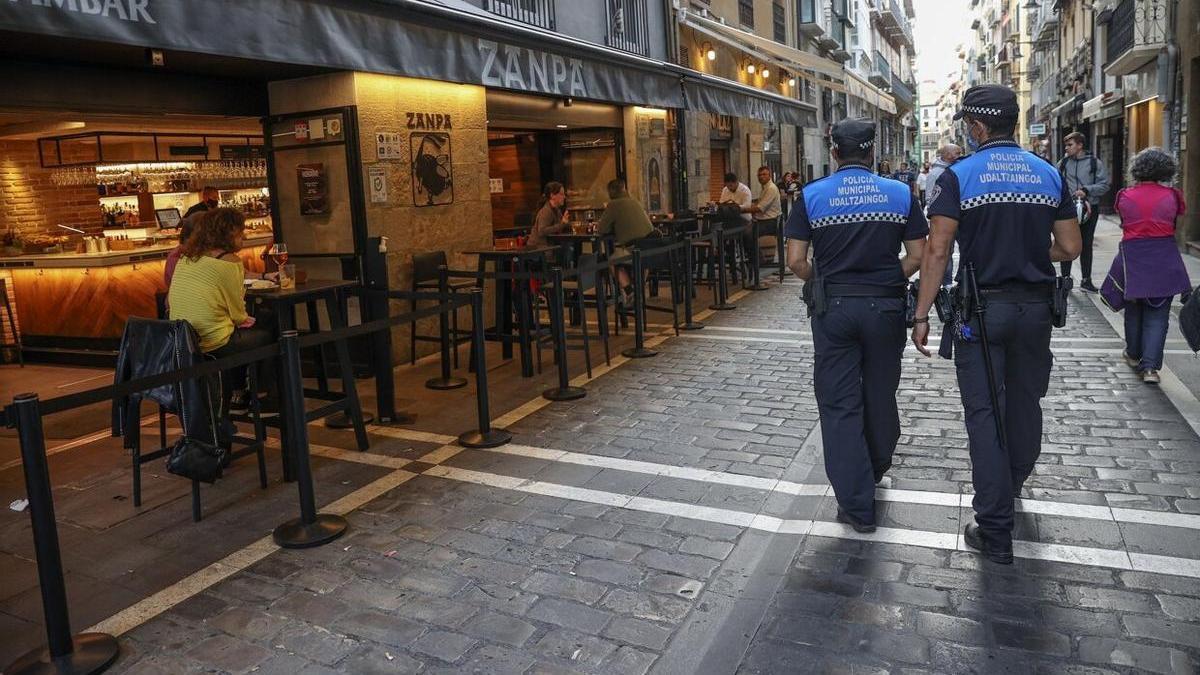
<point>638,350</point>
<point>311,528</point>
<point>690,288</point>
<point>485,436</point>
<point>564,391</point>
<point>757,284</point>
<point>721,302</point>
<point>780,251</point>
<point>445,381</point>
<point>65,654</point>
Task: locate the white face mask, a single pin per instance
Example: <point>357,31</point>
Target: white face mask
<point>966,131</point>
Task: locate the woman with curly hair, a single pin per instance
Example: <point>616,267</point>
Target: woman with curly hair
<point>1148,270</point>
<point>208,291</point>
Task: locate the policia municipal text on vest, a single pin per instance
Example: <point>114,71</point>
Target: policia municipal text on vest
<point>855,222</point>
<point>1012,217</point>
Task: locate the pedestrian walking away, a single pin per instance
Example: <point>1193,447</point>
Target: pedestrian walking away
<point>855,222</point>
<point>923,182</point>
<point>1012,217</point>
<point>1148,271</point>
<point>1087,180</point>
<point>946,155</point>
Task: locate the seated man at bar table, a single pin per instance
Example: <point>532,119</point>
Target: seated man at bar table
<point>766,210</point>
<point>208,292</point>
<point>551,218</point>
<point>737,193</point>
<point>627,220</point>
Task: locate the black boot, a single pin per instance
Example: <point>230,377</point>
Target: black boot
<point>858,525</point>
<point>999,554</point>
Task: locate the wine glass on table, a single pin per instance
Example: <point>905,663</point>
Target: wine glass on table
<point>279,254</point>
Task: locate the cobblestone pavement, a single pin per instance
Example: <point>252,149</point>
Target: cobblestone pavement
<point>677,520</point>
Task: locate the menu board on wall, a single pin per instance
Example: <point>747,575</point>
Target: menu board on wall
<point>314,189</point>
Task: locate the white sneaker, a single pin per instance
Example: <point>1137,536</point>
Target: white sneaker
<point>1150,377</point>
<point>1130,361</point>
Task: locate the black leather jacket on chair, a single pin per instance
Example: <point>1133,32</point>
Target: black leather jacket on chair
<point>150,347</point>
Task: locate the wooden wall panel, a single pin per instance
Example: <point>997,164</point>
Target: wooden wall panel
<point>516,163</point>
<point>91,303</point>
<point>94,302</point>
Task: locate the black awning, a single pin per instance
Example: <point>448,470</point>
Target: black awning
<point>728,98</point>
<point>398,37</point>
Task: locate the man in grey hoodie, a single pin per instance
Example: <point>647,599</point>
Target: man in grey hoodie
<point>1087,179</point>
<point>946,155</point>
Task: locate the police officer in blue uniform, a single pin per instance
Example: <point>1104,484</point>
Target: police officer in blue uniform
<point>855,222</point>
<point>1012,217</point>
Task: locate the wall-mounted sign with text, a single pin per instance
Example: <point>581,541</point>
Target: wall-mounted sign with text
<point>390,145</point>
<point>314,189</point>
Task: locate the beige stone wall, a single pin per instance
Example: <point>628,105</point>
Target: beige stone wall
<point>642,147</point>
<point>383,103</point>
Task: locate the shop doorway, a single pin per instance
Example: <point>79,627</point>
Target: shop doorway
<point>1110,152</point>
<point>718,166</point>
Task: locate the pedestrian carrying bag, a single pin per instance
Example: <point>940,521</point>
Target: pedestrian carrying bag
<point>1189,320</point>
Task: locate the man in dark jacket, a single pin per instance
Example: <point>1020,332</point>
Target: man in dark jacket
<point>1087,180</point>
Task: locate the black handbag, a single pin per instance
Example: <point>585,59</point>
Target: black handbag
<point>197,460</point>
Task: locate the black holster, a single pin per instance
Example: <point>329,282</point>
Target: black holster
<point>816,296</point>
<point>1058,307</point>
<point>948,310</point>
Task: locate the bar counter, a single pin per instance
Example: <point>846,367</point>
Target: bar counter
<point>78,302</point>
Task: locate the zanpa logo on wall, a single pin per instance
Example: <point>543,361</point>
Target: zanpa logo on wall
<point>530,70</point>
<point>125,10</point>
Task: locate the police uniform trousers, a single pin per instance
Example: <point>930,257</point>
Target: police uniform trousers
<point>1019,339</point>
<point>859,342</point>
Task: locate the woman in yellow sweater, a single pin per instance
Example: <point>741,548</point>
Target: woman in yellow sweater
<point>208,291</point>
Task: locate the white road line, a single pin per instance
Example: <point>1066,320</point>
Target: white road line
<point>804,331</point>
<point>1156,518</point>
<point>1080,555</point>
<point>953,499</point>
<point>1162,564</point>
<point>907,347</point>
<point>407,434</point>
<point>142,611</point>
<point>150,607</point>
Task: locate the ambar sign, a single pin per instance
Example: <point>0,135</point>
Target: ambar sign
<point>124,10</point>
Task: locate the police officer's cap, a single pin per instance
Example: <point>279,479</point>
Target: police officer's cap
<point>853,134</point>
<point>994,101</point>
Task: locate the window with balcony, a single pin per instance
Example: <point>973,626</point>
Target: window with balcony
<point>628,26</point>
<point>746,13</point>
<point>533,12</point>
<point>779,22</point>
<point>808,15</point>
<point>1137,32</point>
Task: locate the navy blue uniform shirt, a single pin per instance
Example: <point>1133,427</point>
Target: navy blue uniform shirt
<point>1005,200</point>
<point>856,222</point>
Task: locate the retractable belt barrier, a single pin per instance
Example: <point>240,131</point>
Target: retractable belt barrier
<point>95,652</point>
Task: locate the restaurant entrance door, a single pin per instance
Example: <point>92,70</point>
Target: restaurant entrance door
<point>536,140</point>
